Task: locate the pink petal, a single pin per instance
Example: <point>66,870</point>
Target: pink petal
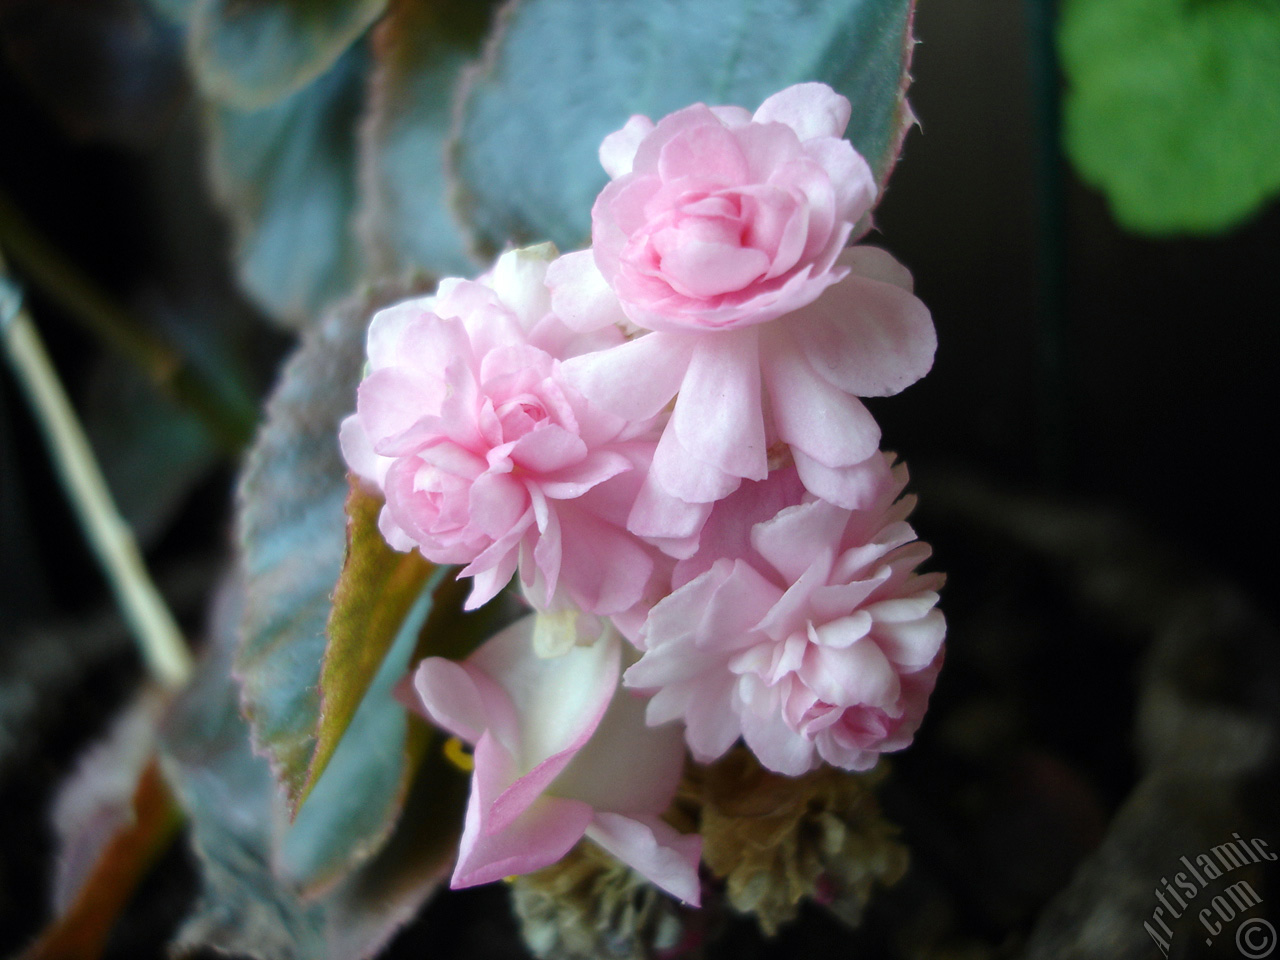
<point>392,400</point>
<point>357,451</point>
<point>718,417</point>
<point>603,569</point>
<point>518,280</point>
<point>671,523</point>
<point>464,701</point>
<point>559,702</point>
<point>683,475</point>
<point>775,744</point>
<point>866,337</point>
<point>877,264</point>
<point>654,849</point>
<point>791,538</point>
<point>636,379</point>
<point>813,416</point>
<point>628,767</point>
<point>856,674</point>
<point>853,488</point>
<point>810,109</point>
<point>618,150</point>
<point>579,294</point>
<point>541,835</point>
<point>915,639</point>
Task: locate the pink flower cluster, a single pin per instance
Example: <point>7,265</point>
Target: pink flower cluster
<point>662,437</point>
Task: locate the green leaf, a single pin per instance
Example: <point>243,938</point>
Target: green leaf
<point>375,592</point>
<point>251,53</point>
<point>356,802</point>
<point>247,906</point>
<point>419,51</point>
<point>292,529</point>
<point>285,175</point>
<point>562,74</point>
<point>1171,108</point>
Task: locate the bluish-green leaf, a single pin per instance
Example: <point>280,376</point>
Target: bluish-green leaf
<point>1172,108</point>
<point>419,49</point>
<point>356,801</point>
<point>377,589</point>
<point>292,530</point>
<point>562,74</point>
<point>286,175</point>
<point>251,53</point>
<point>246,905</point>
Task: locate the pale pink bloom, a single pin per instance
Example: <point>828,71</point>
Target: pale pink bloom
<point>561,752</point>
<point>794,380</point>
<point>487,457</point>
<point>717,219</point>
<point>800,626</point>
<point>722,232</point>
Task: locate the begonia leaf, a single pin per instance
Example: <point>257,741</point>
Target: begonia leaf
<point>248,904</point>
<point>356,802</point>
<point>251,53</point>
<point>1171,108</point>
<point>375,591</point>
<point>292,526</point>
<point>419,50</point>
<point>285,175</point>
<point>561,74</point>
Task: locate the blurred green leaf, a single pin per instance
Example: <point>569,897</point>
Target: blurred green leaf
<point>376,591</point>
<point>286,176</point>
<point>420,47</point>
<point>250,53</point>
<point>1172,108</point>
<point>564,73</point>
<point>247,906</point>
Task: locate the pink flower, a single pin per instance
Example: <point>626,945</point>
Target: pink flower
<point>487,457</point>
<point>717,219</point>
<point>799,626</point>
<point>560,752</point>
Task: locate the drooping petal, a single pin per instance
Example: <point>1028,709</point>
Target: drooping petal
<point>865,336</point>
<point>812,415</point>
<point>718,417</point>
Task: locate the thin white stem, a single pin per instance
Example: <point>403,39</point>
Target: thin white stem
<point>158,634</point>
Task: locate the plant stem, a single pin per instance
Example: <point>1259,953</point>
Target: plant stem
<point>230,422</point>
<point>158,634</point>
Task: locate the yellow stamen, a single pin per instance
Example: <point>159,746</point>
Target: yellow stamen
<point>458,755</point>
